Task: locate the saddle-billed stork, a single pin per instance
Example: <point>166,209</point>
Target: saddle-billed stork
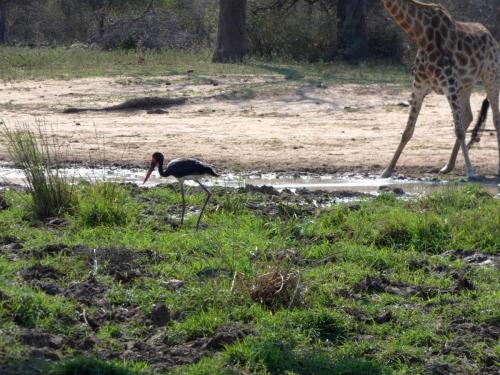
<point>183,169</point>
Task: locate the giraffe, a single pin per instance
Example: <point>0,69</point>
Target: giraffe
<point>452,56</point>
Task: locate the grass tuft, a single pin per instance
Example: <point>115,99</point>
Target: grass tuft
<point>40,162</point>
<point>93,366</point>
<point>105,203</point>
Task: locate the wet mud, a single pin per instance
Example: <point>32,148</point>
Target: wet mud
<point>381,284</point>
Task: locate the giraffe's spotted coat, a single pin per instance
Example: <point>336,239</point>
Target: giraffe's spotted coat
<point>452,57</point>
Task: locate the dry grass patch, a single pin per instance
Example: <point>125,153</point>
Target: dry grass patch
<point>279,287</point>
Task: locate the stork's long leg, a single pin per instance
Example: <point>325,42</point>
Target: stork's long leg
<point>209,194</point>
<point>183,202</point>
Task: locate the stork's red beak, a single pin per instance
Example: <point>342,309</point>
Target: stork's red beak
<point>151,169</point>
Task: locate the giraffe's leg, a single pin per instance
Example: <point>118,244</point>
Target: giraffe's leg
<point>183,202</point>
<point>418,96</point>
<point>455,100</point>
<point>467,119</point>
<point>209,194</point>
<point>493,92</point>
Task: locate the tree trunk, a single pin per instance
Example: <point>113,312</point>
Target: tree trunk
<point>231,34</point>
<point>2,21</point>
<point>352,38</point>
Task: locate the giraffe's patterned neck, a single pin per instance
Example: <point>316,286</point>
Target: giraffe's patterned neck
<point>420,21</point>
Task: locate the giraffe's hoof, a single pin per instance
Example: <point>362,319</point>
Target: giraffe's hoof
<point>446,169</point>
<point>474,178</point>
<point>386,174</point>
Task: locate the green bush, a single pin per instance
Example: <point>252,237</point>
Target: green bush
<point>288,352</point>
<point>106,203</point>
<point>34,309</point>
<point>93,366</point>
<point>457,218</point>
<point>323,324</point>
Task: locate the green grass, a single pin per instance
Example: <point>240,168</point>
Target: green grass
<point>338,325</point>
<point>105,204</point>
<point>85,366</point>
<point>20,63</point>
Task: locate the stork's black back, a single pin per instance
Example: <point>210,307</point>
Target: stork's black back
<point>189,167</point>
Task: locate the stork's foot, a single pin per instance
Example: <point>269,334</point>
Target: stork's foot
<point>201,226</point>
<point>175,225</point>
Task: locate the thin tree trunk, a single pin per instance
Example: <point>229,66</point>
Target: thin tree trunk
<point>2,21</point>
<point>352,38</point>
<point>230,45</point>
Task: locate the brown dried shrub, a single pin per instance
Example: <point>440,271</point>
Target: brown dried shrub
<point>280,286</point>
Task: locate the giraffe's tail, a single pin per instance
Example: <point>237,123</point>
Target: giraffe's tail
<point>481,122</point>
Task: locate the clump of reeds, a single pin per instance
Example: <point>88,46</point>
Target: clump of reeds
<point>40,162</point>
<point>279,287</point>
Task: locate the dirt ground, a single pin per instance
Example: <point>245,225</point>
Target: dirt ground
<point>245,123</point>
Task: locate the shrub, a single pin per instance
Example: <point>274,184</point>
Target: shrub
<point>106,203</point>
<point>93,366</point>
<point>40,161</point>
<point>34,309</point>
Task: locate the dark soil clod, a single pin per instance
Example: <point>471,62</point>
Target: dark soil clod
<point>52,249</point>
<point>4,204</point>
<point>45,354</point>
<point>56,222</point>
<point>13,243</point>
<point>39,271</point>
<point>51,289</point>
<point>475,258</point>
<point>462,282</point>
<point>162,356</point>
<point>381,284</point>
<point>88,292</point>
<point>384,318</point>
<point>268,190</point>
<point>439,369</point>
<point>388,189</point>
<point>226,335</point>
<point>160,315</point>
<point>39,339</point>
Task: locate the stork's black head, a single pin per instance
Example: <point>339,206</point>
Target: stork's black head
<point>156,159</point>
<point>158,156</point>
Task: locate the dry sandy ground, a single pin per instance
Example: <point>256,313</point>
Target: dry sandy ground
<point>258,125</point>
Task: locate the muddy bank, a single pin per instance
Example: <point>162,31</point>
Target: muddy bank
<point>282,126</point>
<point>344,185</point>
